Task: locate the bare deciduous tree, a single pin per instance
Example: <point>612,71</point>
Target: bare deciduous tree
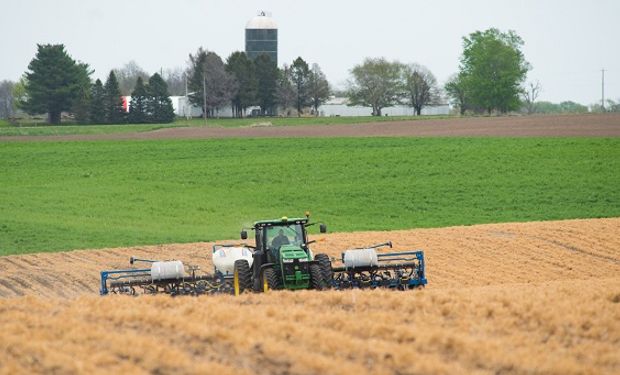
<point>285,91</point>
<point>128,75</point>
<point>7,103</point>
<point>530,94</point>
<point>207,71</point>
<point>318,87</point>
<point>375,83</point>
<point>175,79</point>
<point>420,86</point>
<point>221,85</point>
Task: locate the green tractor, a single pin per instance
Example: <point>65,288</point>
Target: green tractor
<point>282,258</point>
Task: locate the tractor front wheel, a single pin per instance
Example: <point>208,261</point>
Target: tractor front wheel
<point>326,268</point>
<point>242,277</point>
<point>317,281</point>
<point>270,280</point>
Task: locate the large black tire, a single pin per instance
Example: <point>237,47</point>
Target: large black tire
<point>326,268</point>
<point>270,280</point>
<point>242,277</point>
<point>317,281</point>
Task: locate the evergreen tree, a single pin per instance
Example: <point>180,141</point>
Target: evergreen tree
<point>97,103</point>
<point>244,73</point>
<point>159,105</point>
<point>197,67</point>
<point>300,73</point>
<point>81,103</point>
<point>52,83</point>
<point>138,108</point>
<point>113,102</point>
<point>267,76</point>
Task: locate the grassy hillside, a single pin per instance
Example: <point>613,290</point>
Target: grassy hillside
<point>58,196</point>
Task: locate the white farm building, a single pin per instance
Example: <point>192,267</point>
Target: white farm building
<point>339,107</point>
<point>333,107</point>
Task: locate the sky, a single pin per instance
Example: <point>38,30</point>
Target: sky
<point>567,42</point>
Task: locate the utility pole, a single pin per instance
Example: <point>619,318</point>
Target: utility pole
<point>186,108</point>
<point>603,89</point>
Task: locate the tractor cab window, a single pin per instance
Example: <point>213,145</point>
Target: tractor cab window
<point>284,235</point>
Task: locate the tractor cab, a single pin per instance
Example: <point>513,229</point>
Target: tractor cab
<point>272,235</point>
<point>282,246</point>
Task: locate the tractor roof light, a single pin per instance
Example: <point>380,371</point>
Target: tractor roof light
<point>284,219</point>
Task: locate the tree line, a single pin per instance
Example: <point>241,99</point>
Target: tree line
<point>491,73</point>
<point>491,79</point>
<point>379,83</point>
<point>242,82</point>
<point>56,83</point>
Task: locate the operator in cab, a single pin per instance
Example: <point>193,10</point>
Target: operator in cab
<point>280,240</point>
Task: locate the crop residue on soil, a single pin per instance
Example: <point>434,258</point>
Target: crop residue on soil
<point>476,255</point>
<point>502,298</point>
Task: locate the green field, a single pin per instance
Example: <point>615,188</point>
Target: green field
<point>67,129</point>
<point>79,129</point>
<point>70,195</point>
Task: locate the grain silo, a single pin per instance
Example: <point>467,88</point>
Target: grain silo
<point>261,37</point>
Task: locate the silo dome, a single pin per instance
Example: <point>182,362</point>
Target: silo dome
<point>261,22</point>
<point>261,37</point>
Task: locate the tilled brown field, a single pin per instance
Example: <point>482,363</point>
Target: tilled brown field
<point>502,298</point>
<point>588,125</point>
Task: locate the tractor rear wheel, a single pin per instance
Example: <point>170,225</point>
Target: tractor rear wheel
<point>242,277</point>
<point>270,280</point>
<point>317,281</point>
<point>326,267</point>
